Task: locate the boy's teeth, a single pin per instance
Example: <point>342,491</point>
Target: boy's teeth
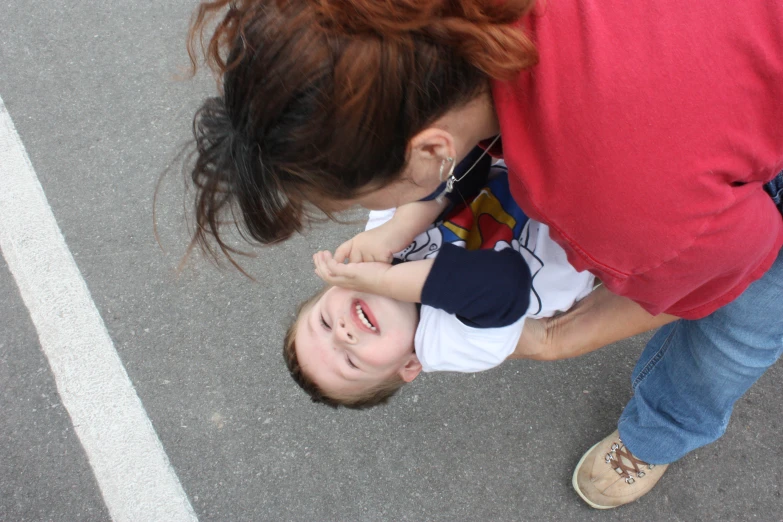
<point>363,318</point>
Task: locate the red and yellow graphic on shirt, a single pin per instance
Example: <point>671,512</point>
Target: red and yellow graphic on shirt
<point>483,223</point>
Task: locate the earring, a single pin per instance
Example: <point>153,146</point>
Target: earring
<point>449,176</point>
<point>442,164</point>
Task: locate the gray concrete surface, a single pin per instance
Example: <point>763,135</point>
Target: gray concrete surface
<point>90,86</point>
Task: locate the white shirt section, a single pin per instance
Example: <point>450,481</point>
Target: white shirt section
<point>445,344</point>
<point>556,285</point>
<point>378,218</point>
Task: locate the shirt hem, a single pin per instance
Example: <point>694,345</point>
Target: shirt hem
<point>706,309</point>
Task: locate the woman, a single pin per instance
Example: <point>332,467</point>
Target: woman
<point>642,133</point>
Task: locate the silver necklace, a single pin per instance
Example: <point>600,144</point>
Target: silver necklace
<point>452,180</point>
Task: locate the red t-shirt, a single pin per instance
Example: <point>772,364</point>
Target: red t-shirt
<point>643,138</point>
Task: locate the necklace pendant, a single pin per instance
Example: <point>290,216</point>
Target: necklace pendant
<point>449,184</point>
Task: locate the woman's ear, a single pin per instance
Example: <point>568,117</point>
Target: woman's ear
<point>430,147</point>
<point>411,370</point>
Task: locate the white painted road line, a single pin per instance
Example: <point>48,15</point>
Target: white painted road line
<point>127,458</point>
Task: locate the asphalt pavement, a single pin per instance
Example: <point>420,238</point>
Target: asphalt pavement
<point>94,91</point>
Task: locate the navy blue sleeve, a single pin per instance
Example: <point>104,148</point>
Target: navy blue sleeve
<point>484,288</point>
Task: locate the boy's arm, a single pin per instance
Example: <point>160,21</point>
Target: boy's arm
<point>466,283</point>
<point>380,243</point>
<point>403,281</point>
<point>599,319</point>
<point>483,288</point>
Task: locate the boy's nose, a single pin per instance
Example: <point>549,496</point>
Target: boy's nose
<point>345,332</point>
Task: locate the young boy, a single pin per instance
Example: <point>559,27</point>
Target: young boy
<point>355,343</point>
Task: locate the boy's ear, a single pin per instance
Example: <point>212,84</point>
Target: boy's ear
<point>411,369</point>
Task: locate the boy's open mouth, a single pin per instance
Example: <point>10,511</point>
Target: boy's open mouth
<point>363,317</point>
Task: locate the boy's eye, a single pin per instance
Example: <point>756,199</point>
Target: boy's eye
<point>323,323</point>
<point>350,363</point>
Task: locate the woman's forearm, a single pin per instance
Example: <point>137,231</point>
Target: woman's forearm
<point>600,319</point>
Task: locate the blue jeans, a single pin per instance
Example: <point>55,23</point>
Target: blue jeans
<point>692,372</point>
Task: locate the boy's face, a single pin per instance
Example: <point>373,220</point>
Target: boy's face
<point>348,341</point>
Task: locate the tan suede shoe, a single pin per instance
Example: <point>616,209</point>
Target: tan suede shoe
<point>609,475</point>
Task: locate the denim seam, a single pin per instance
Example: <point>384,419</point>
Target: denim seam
<point>655,358</point>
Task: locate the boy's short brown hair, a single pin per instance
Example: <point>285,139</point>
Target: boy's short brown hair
<point>373,396</point>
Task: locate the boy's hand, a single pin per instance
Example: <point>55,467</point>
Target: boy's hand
<point>378,244</point>
<point>363,277</point>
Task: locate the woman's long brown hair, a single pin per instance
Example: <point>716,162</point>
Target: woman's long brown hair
<point>318,99</point>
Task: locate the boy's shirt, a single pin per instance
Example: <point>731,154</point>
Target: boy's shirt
<point>491,220</point>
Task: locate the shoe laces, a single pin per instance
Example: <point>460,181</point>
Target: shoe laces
<point>625,464</point>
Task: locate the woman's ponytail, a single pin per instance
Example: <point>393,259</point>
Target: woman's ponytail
<point>229,177</point>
